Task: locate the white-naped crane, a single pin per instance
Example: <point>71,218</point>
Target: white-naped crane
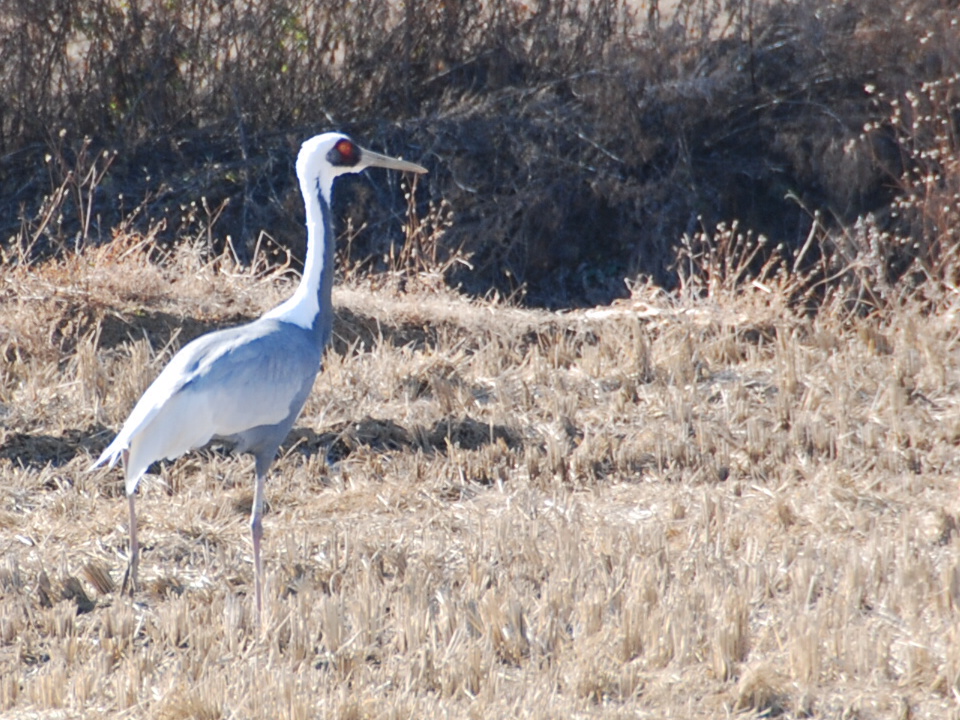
<point>248,384</point>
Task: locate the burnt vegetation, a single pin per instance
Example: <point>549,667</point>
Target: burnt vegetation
<point>572,144</point>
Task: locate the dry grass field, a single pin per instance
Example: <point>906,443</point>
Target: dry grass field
<point>685,506</point>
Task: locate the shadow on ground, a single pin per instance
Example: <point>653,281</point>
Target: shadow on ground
<point>41,450</point>
<point>386,435</point>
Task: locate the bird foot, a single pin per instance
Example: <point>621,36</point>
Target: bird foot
<point>130,585</point>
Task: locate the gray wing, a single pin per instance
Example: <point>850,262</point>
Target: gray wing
<point>228,383</point>
<point>261,385</point>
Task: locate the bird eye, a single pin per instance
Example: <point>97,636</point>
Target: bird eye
<point>344,153</point>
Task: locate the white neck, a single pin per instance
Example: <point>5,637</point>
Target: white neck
<point>303,306</point>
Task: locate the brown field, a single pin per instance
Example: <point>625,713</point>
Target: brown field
<point>674,507</point>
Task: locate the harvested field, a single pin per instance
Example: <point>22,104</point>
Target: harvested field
<point>676,506</point>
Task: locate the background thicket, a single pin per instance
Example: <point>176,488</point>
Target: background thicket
<point>572,143</point>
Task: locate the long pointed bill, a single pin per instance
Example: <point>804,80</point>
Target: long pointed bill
<point>369,158</point>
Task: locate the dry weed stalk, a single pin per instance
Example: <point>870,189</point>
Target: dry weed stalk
<point>74,185</point>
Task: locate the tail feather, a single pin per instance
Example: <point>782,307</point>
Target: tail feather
<point>109,456</point>
<point>115,451</point>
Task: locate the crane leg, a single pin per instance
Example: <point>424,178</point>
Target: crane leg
<point>130,577</point>
<point>256,532</point>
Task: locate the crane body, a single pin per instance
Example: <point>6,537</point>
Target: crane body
<point>247,384</point>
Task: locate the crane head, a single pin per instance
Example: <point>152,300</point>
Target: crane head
<point>325,157</point>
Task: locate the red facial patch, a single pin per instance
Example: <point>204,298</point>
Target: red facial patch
<point>348,152</point>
